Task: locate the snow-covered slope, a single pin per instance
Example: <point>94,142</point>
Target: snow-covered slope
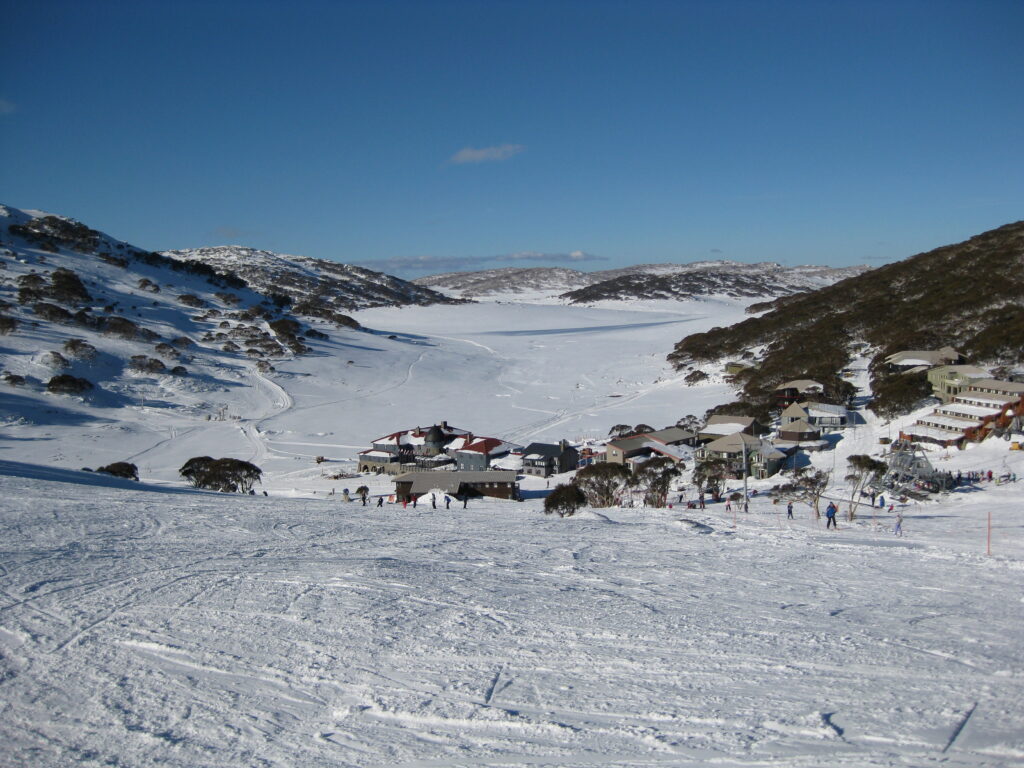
<point>153,628</point>
<point>643,281</point>
<point>340,287</point>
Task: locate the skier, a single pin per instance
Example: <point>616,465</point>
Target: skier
<point>898,528</point>
<point>380,501</point>
<point>881,501</point>
<point>789,510</point>
<point>830,515</point>
<point>447,501</point>
<point>728,506</point>
<point>433,501</point>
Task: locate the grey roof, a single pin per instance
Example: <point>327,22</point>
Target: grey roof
<point>449,482</point>
<point>734,443</point>
<point>548,450</point>
<point>671,435</point>
<point>725,418</point>
<point>798,426</point>
<point>998,385</point>
<point>627,444</point>
<point>795,409</point>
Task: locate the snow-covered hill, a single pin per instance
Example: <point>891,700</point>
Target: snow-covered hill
<point>311,283</point>
<point>545,281</point>
<point>643,281</point>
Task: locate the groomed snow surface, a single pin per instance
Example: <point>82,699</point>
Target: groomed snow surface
<point>150,624</point>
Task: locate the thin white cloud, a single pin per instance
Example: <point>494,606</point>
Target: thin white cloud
<point>227,232</point>
<point>7,107</point>
<point>472,155</point>
<point>433,264</point>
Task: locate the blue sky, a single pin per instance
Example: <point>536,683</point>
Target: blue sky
<point>421,137</point>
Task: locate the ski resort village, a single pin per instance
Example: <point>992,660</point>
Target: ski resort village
<point>317,516</point>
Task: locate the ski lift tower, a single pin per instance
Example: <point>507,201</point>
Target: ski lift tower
<point>910,471</point>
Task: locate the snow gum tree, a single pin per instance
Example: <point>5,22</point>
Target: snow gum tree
<point>655,478</point>
<point>710,474</point>
<point>602,483</point>
<point>564,500</point>
<point>864,470</point>
<point>225,475</point>
<point>808,486</point>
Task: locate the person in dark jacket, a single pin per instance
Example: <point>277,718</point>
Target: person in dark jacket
<point>830,516</point>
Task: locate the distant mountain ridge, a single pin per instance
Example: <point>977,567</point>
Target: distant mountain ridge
<point>312,283</point>
<point>644,281</point>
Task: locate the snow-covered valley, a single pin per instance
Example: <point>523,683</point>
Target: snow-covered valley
<point>153,624</point>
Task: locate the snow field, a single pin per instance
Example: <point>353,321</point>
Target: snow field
<point>198,629</point>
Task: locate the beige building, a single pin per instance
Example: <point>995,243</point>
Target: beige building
<point>948,381</point>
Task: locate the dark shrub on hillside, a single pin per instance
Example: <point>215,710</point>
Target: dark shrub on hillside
<point>67,287</point>
<point>53,360</point>
<point>695,377</point>
<point>898,393</point>
<point>285,326</point>
<point>255,313</point>
<point>144,364</point>
<point>83,318</point>
<point>31,288</point>
<point>121,469</point>
<point>179,370</point>
<point>166,350</point>
<point>66,384</point>
<point>228,298</point>
<point>80,348</point>
<point>148,285</point>
<point>116,261</point>
<point>313,333</point>
<point>47,232</point>
<point>51,312</point>
<point>13,379</point>
<point>230,346</point>
<point>182,342</point>
<point>7,325</point>
<point>325,312</point>
<point>190,300</point>
<point>564,500</point>
<point>225,475</point>
<point>124,328</point>
<point>264,366</point>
